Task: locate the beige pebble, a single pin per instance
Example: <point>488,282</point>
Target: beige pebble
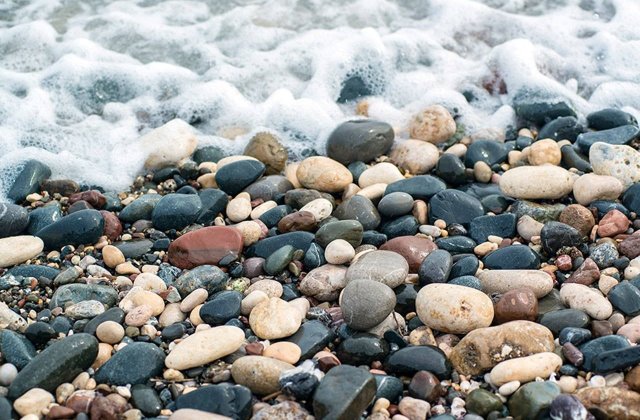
<point>151,282</point>
<point>321,208</point>
<point>285,351</point>
<point>104,354</point>
<point>238,209</point>
<point>537,182</point>
<point>457,149</point>
<point>250,231</point>
<point>413,408</point>
<point>381,173</point>
<point>508,388</point>
<point>502,281</point>
<point>112,256</point>
<point>545,151</point>
<point>127,268</point>
<point>168,144</point>
<point>194,316</point>
<point>193,299</point>
<point>528,227</point>
<point>525,369</point>
<point>302,305</point>
<point>34,401</point>
<point>484,248</point>
<point>416,156</point>
<point>435,125</point>
<point>251,300</point>
<point>272,288</point>
<point>207,180</point>
<point>586,299</point>
<point>110,332</point>
<point>290,172</point>
<point>274,318</point>
<point>339,252</point>
<point>258,373</point>
<point>138,316</point>
<point>205,347</point>
<point>323,174</point>
<point>171,315</point>
<point>591,187</point>
<point>138,296</point>
<point>568,384</point>
<point>263,208</point>
<point>482,172</point>
<point>373,192</point>
<point>350,191</point>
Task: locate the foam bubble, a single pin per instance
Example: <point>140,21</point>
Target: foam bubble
<point>81,82</point>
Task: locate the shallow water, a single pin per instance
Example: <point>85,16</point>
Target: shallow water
<point>80,80</point>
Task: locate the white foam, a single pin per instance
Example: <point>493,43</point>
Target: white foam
<point>80,82</point>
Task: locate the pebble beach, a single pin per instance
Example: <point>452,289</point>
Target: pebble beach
<point>434,277</point>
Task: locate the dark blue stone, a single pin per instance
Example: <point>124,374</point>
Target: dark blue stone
<point>112,314</point>
<point>388,387</point>
<point>16,349</point>
<point>362,349</point>
<point>555,235</point>
<point>605,207</point>
<point>267,246</point>
<point>480,190</point>
<point>314,257</point>
<point>359,208</point>
<point>134,249</point>
<point>563,128</point>
<point>271,217</point>
<point>43,216</point>
<point>456,244</point>
<point>28,180</point>
<point>146,399</point>
<point>140,208</point>
<point>402,226</point>
<point>421,187</point>
<point>357,168</point>
<point>451,169</point>
<point>556,321</point>
<point>236,176</point>
<point>514,257</point>
<point>344,393</point>
<point>538,108</point>
<point>225,399</point>
<point>490,152</point>
<point>467,281</point>
<point>616,360</point>
<point>395,204</point>
<point>135,364</point>
<point>626,298</point>
<point>454,206</point>
<point>406,298</point>
<point>575,336</point>
<point>615,136</point>
<point>435,268</point>
<point>600,345</point>
<point>572,159</point>
<point>312,337</point>
<point>496,203</point>
<point>208,154</point>
<point>214,202</point>
<point>631,198</point>
<point>607,118</point>
<point>412,359</point>
<point>221,308</point>
<point>176,211</point>
<point>33,270</point>
<point>13,220</point>
<point>372,237</point>
<point>81,227</point>
<point>503,225</point>
<point>465,266</point>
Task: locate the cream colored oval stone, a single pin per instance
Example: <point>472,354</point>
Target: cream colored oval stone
<point>251,300</point>
<point>110,332</point>
<point>250,231</point>
<point>151,282</point>
<point>194,316</point>
<point>18,249</point>
<point>416,156</point>
<point>536,182</point>
<point>381,173</point>
<point>302,305</point>
<point>591,187</point>
<point>502,281</point>
<point>258,373</point>
<point>11,320</point>
<point>205,347</point>
<point>586,299</point>
<point>373,192</point>
<point>238,209</point>
<point>112,256</point>
<point>285,351</point>
<point>528,227</point>
<point>171,315</point>
<point>193,299</point>
<point>321,208</point>
<point>339,252</point>
<point>137,296</point>
<point>545,151</point>
<point>435,125</point>
<point>274,318</point>
<point>453,309</point>
<point>104,354</point>
<point>323,174</point>
<point>33,402</point>
<point>263,208</point>
<point>525,369</point>
<point>272,288</point>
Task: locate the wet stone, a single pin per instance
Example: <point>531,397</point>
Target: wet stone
<point>593,348</point>
<point>533,400</point>
<point>43,217</point>
<point>412,359</point>
<point>362,349</point>
<point>512,257</point>
<point>402,226</point>
<point>435,268</point>
<point>487,151</point>
<point>311,337</point>
<point>556,321</point>
<point>16,349</point>
<point>225,399</point>
<point>359,140</point>
<point>421,187</point>
<point>451,169</point>
<point>575,336</point>
<point>28,180</point>
<point>221,308</point>
<point>361,209</point>
<point>626,298</point>
<point>388,387</point>
<point>139,209</point>
<point>395,204</point>
<point>608,118</point>
<point>454,206</point>
<point>272,217</point>
<point>456,244</point>
<point>136,363</point>
<point>614,136</point>
<point>213,202</point>
<point>503,225</point>
<point>561,128</point>
<point>344,392</point>
<point>176,211</point>
<point>465,266</point>
<point>236,176</point>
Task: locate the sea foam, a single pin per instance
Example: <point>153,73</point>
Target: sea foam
<point>81,81</point>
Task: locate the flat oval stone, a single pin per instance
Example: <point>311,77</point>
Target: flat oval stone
<point>619,161</point>
<point>454,206</point>
<point>502,225</point>
<point>435,268</point>
<point>222,307</point>
<point>385,267</point>
<point>361,209</point>
<point>484,348</point>
<point>298,221</point>
<point>79,292</point>
<point>41,217</point>
<point>451,169</point>
<point>362,349</point>
<point>269,187</point>
<point>414,249</point>
<point>402,226</point>
<point>176,211</point>
<point>586,299</point>
<point>466,266</point>
<point>359,140</point>
<point>421,187</point>
<point>272,217</point>
<point>599,345</point>
<point>236,176</point>
<point>204,347</point>
<point>525,369</point>
<point>536,182</point>
<point>213,202</point>
<point>81,227</point>
<point>18,249</point>
<point>323,174</point>
<point>205,246</point>
<point>614,136</point>
<point>487,151</point>
<point>412,359</point>
<point>456,244</point>
<point>344,393</point>
<point>349,230</point>
<point>32,270</point>
<point>626,298</point>
<point>146,399</point>
<point>135,364</point>
<point>502,281</point>
<point>232,401</point>
<point>513,257</point>
<point>395,204</point>
<point>324,282</point>
<point>61,362</point>
<point>561,128</point>
<point>366,303</point>
<point>140,209</point>
<point>28,180</point>
<point>453,309</point>
<point>208,277</point>
<point>135,248</point>
<point>607,118</point>
<point>16,349</point>
<point>258,373</point>
<point>267,246</point>
<point>516,304</point>
<point>556,321</point>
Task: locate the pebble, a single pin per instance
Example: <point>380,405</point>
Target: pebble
<point>386,267</point>
<point>267,148</point>
<point>112,256</point>
<point>325,282</point>
<point>361,209</point>
<point>258,373</point>
<point>414,249</point>
<point>284,351</point>
<point>110,332</point>
<point>502,281</point>
<point>176,211</point>
<point>586,299</point>
<point>525,369</point>
<point>532,400</point>
<point>487,151</point>
<point>613,223</point>
<point>18,249</point>
<point>614,402</point>
<point>33,401</point>
<point>434,124</point>
<point>484,348</point>
<point>415,156</point>
<point>413,408</point>
<point>536,182</point>
<point>421,187</point>
<point>323,174</point>
<point>8,373</point>
<point>359,140</point>
<point>412,359</point>
<point>204,347</point>
<point>516,304</point>
<point>168,144</point>
<point>344,392</point>
<point>545,151</point>
<point>205,246</point>
<point>381,173</point>
<point>619,161</point>
<point>366,303</point>
<point>528,227</point>
<point>80,227</point>
<point>453,309</point>
<point>239,208</point>
<point>274,318</point>
<point>320,208</point>
<point>133,364</point>
<point>454,206</point>
<point>13,219</point>
<point>591,187</point>
<point>137,296</point>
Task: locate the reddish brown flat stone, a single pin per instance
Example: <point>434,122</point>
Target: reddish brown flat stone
<point>205,246</point>
<point>517,304</point>
<point>112,225</point>
<point>613,223</point>
<point>93,197</point>
<point>586,274</point>
<point>413,248</point>
<point>630,247</point>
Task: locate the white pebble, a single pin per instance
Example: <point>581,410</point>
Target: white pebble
<point>8,373</point>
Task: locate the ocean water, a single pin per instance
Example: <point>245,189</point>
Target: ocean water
<point>81,80</point>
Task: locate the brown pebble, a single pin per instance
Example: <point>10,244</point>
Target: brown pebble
<point>59,412</point>
<point>516,304</point>
<point>326,363</point>
<point>563,262</point>
<point>254,349</point>
<point>572,353</point>
<point>579,217</point>
<point>630,247</point>
<point>613,223</point>
<point>586,274</point>
<point>298,221</point>
<point>601,328</point>
<point>425,386</point>
<point>632,378</point>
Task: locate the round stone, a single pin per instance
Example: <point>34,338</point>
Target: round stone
<point>110,332</point>
<point>415,156</point>
<point>267,149</point>
<point>205,346</point>
<point>325,282</point>
<point>284,351</point>
<point>274,318</point>
<point>366,303</point>
<point>258,373</point>
<point>395,204</point>
<point>112,256</point>
<point>591,187</point>
<point>385,267</point>
<point>516,304</point>
<point>381,173</point>
<point>435,125</point>
<point>359,140</point>
<point>543,152</point>
<point>323,174</point>
<point>619,161</point>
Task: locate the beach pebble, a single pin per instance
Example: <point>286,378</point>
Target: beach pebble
<point>8,373</point>
<point>586,299</point>
<point>258,373</point>
<point>138,316</point>
<point>528,227</point>
<point>536,182</point>
<point>516,304</point>
<point>434,124</point>
<point>323,174</point>
<point>381,173</point>
<point>33,402</point>
<point>324,283</point>
<point>591,187</point>
<point>110,332</point>
<point>385,267</point>
<point>339,252</point>
<point>112,256</point>
<point>320,208</point>
<point>359,140</point>
<point>613,223</point>
<point>416,156</point>
<point>151,282</point>
<point>204,347</point>
<point>239,208</point>
<point>366,303</point>
<point>168,144</point>
<point>18,249</point>
<point>284,351</point>
<point>250,231</point>
<point>274,318</point>
<point>545,151</point>
<point>453,309</point>
<point>525,369</point>
<point>619,161</point>
<point>414,408</point>
<point>137,296</point>
<point>193,299</point>
<point>205,246</point>
<point>267,148</point>
<point>502,281</point>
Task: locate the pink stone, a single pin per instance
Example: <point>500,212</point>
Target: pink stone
<point>414,249</point>
<point>613,223</point>
<point>205,246</point>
